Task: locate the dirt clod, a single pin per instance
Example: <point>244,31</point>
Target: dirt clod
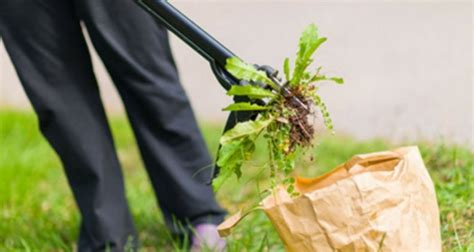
<point>302,130</point>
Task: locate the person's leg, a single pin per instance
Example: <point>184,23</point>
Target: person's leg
<point>136,51</point>
<point>45,43</point>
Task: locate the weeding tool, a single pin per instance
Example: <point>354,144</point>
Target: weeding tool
<point>217,55</point>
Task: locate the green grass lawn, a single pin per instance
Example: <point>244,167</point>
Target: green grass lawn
<point>37,211</point>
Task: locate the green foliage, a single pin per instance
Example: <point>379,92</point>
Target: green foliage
<point>309,43</point>
<point>238,145</point>
<point>231,157</point>
<point>244,106</point>
<point>252,92</point>
<point>337,80</point>
<point>247,72</point>
<point>324,111</point>
<point>282,140</point>
<point>244,129</point>
<point>286,68</point>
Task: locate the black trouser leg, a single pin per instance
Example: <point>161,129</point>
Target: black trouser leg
<point>45,43</point>
<point>137,54</point>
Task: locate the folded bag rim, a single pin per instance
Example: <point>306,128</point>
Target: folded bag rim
<point>343,171</point>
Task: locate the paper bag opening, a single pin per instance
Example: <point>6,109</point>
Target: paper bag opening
<point>382,201</point>
<point>382,161</point>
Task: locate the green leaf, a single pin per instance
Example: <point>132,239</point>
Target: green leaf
<point>264,244</point>
<point>227,151</point>
<point>253,92</point>
<point>243,129</point>
<point>231,157</point>
<point>337,80</point>
<point>244,106</point>
<point>286,69</point>
<point>224,175</point>
<point>289,180</point>
<point>247,72</point>
<point>235,152</point>
<point>238,145</point>
<point>306,75</point>
<point>309,43</point>
<point>324,111</point>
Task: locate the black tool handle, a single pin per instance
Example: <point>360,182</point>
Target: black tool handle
<point>188,31</point>
<point>206,46</point>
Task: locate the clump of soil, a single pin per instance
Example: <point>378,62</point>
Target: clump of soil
<point>302,130</point>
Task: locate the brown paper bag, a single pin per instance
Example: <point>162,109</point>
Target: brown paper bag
<point>382,201</point>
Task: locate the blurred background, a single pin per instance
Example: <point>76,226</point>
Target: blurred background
<point>408,68</point>
<point>407,64</point>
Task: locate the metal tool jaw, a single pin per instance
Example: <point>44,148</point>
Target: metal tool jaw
<point>280,87</point>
